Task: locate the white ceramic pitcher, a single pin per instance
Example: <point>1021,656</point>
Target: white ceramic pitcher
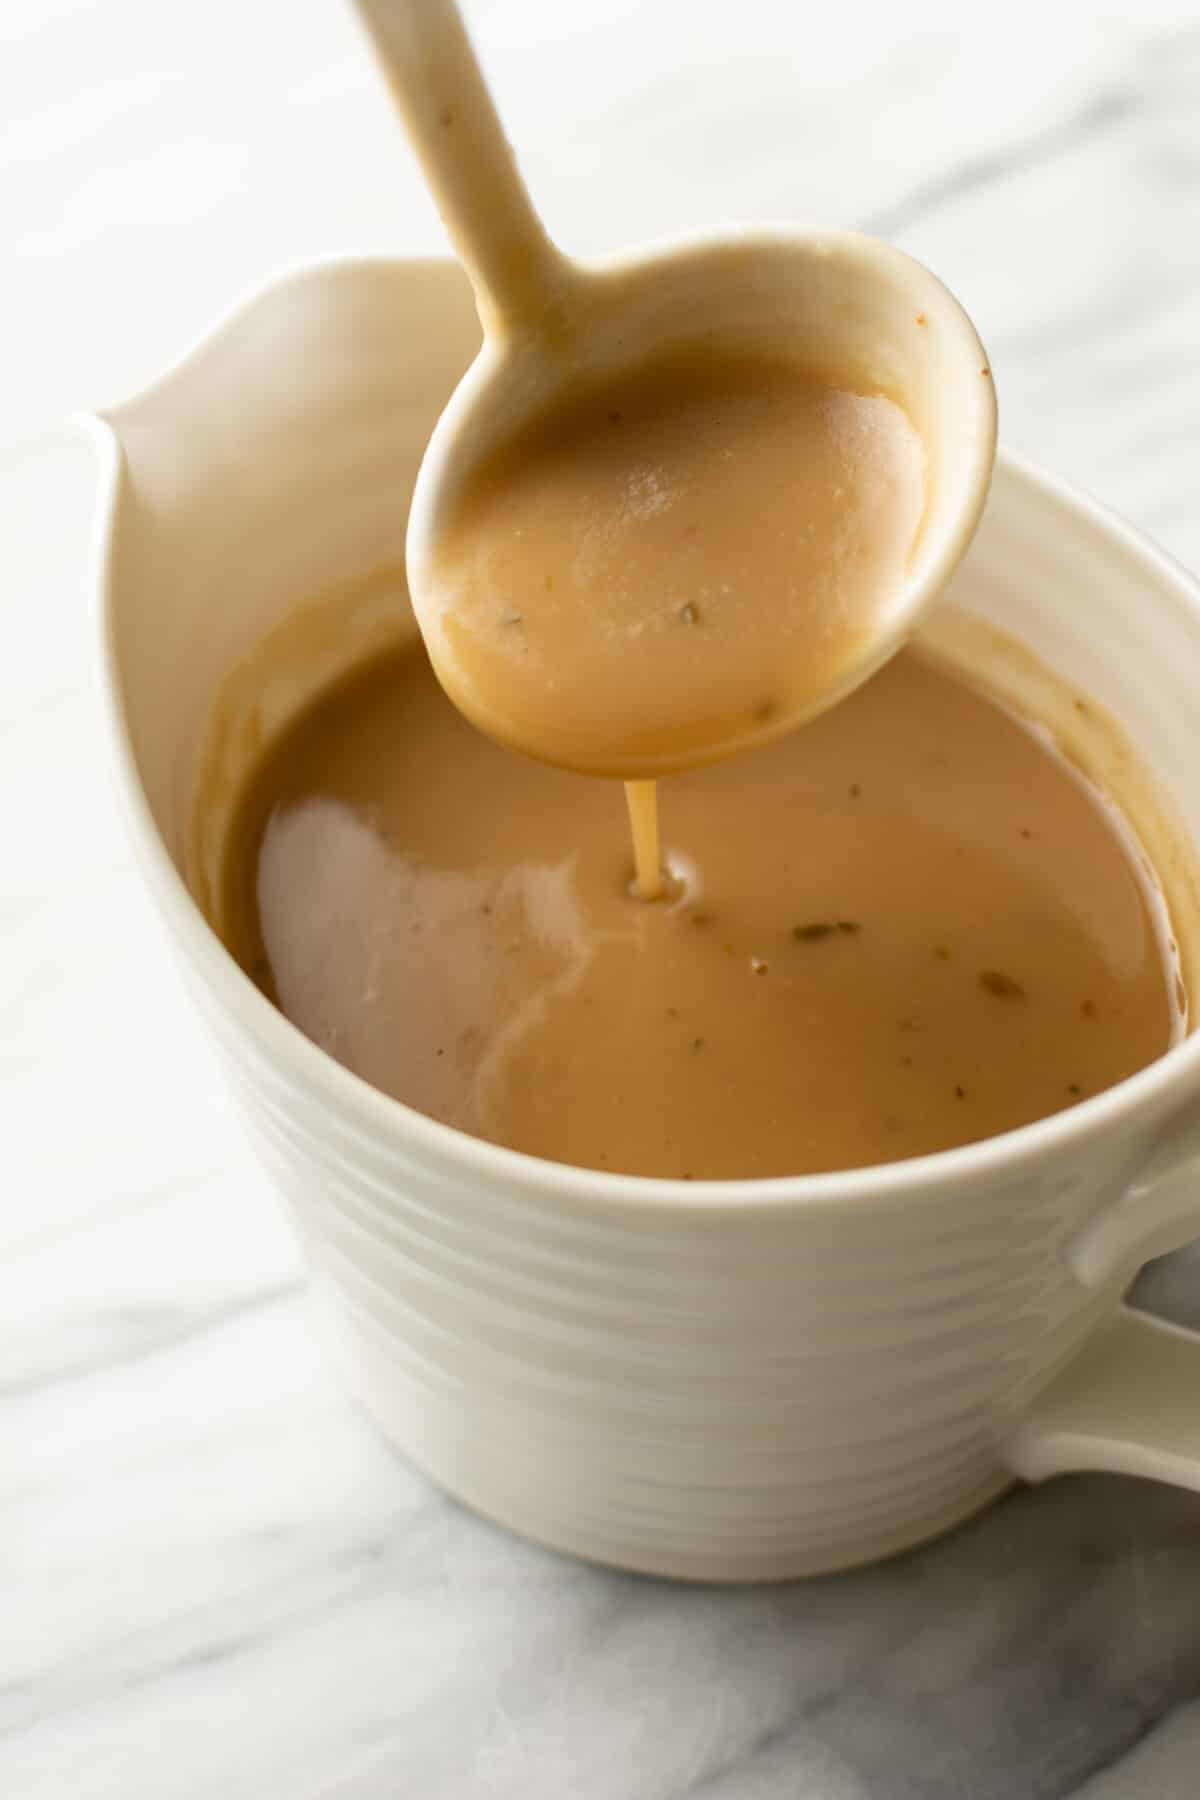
<point>714,1380</point>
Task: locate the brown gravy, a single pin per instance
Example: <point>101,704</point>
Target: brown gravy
<point>674,564</point>
<point>907,926</point>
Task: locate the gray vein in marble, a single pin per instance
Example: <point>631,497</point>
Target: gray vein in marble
<point>1163,1765</point>
<point>148,1327</point>
<point>304,1592</point>
<point>917,1681</point>
<point>1098,115</point>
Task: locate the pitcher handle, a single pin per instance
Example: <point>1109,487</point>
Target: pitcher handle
<point>1129,1401</point>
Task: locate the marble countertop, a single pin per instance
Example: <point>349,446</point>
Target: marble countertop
<point>216,1581</point>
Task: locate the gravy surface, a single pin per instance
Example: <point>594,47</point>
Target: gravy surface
<point>674,564</point>
<point>910,925</point>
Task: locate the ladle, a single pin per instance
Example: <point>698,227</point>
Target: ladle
<point>554,328</point>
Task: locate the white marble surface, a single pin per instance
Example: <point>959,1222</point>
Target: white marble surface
<point>215,1581</point>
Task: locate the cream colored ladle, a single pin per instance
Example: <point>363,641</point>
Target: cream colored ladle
<point>837,299</point>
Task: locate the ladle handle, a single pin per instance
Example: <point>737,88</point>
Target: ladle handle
<point>518,275</point>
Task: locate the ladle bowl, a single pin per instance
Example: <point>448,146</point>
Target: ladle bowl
<point>829,299</point>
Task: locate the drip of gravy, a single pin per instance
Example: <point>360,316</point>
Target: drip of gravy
<point>677,563</point>
<point>641,798</point>
<point>907,926</point>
